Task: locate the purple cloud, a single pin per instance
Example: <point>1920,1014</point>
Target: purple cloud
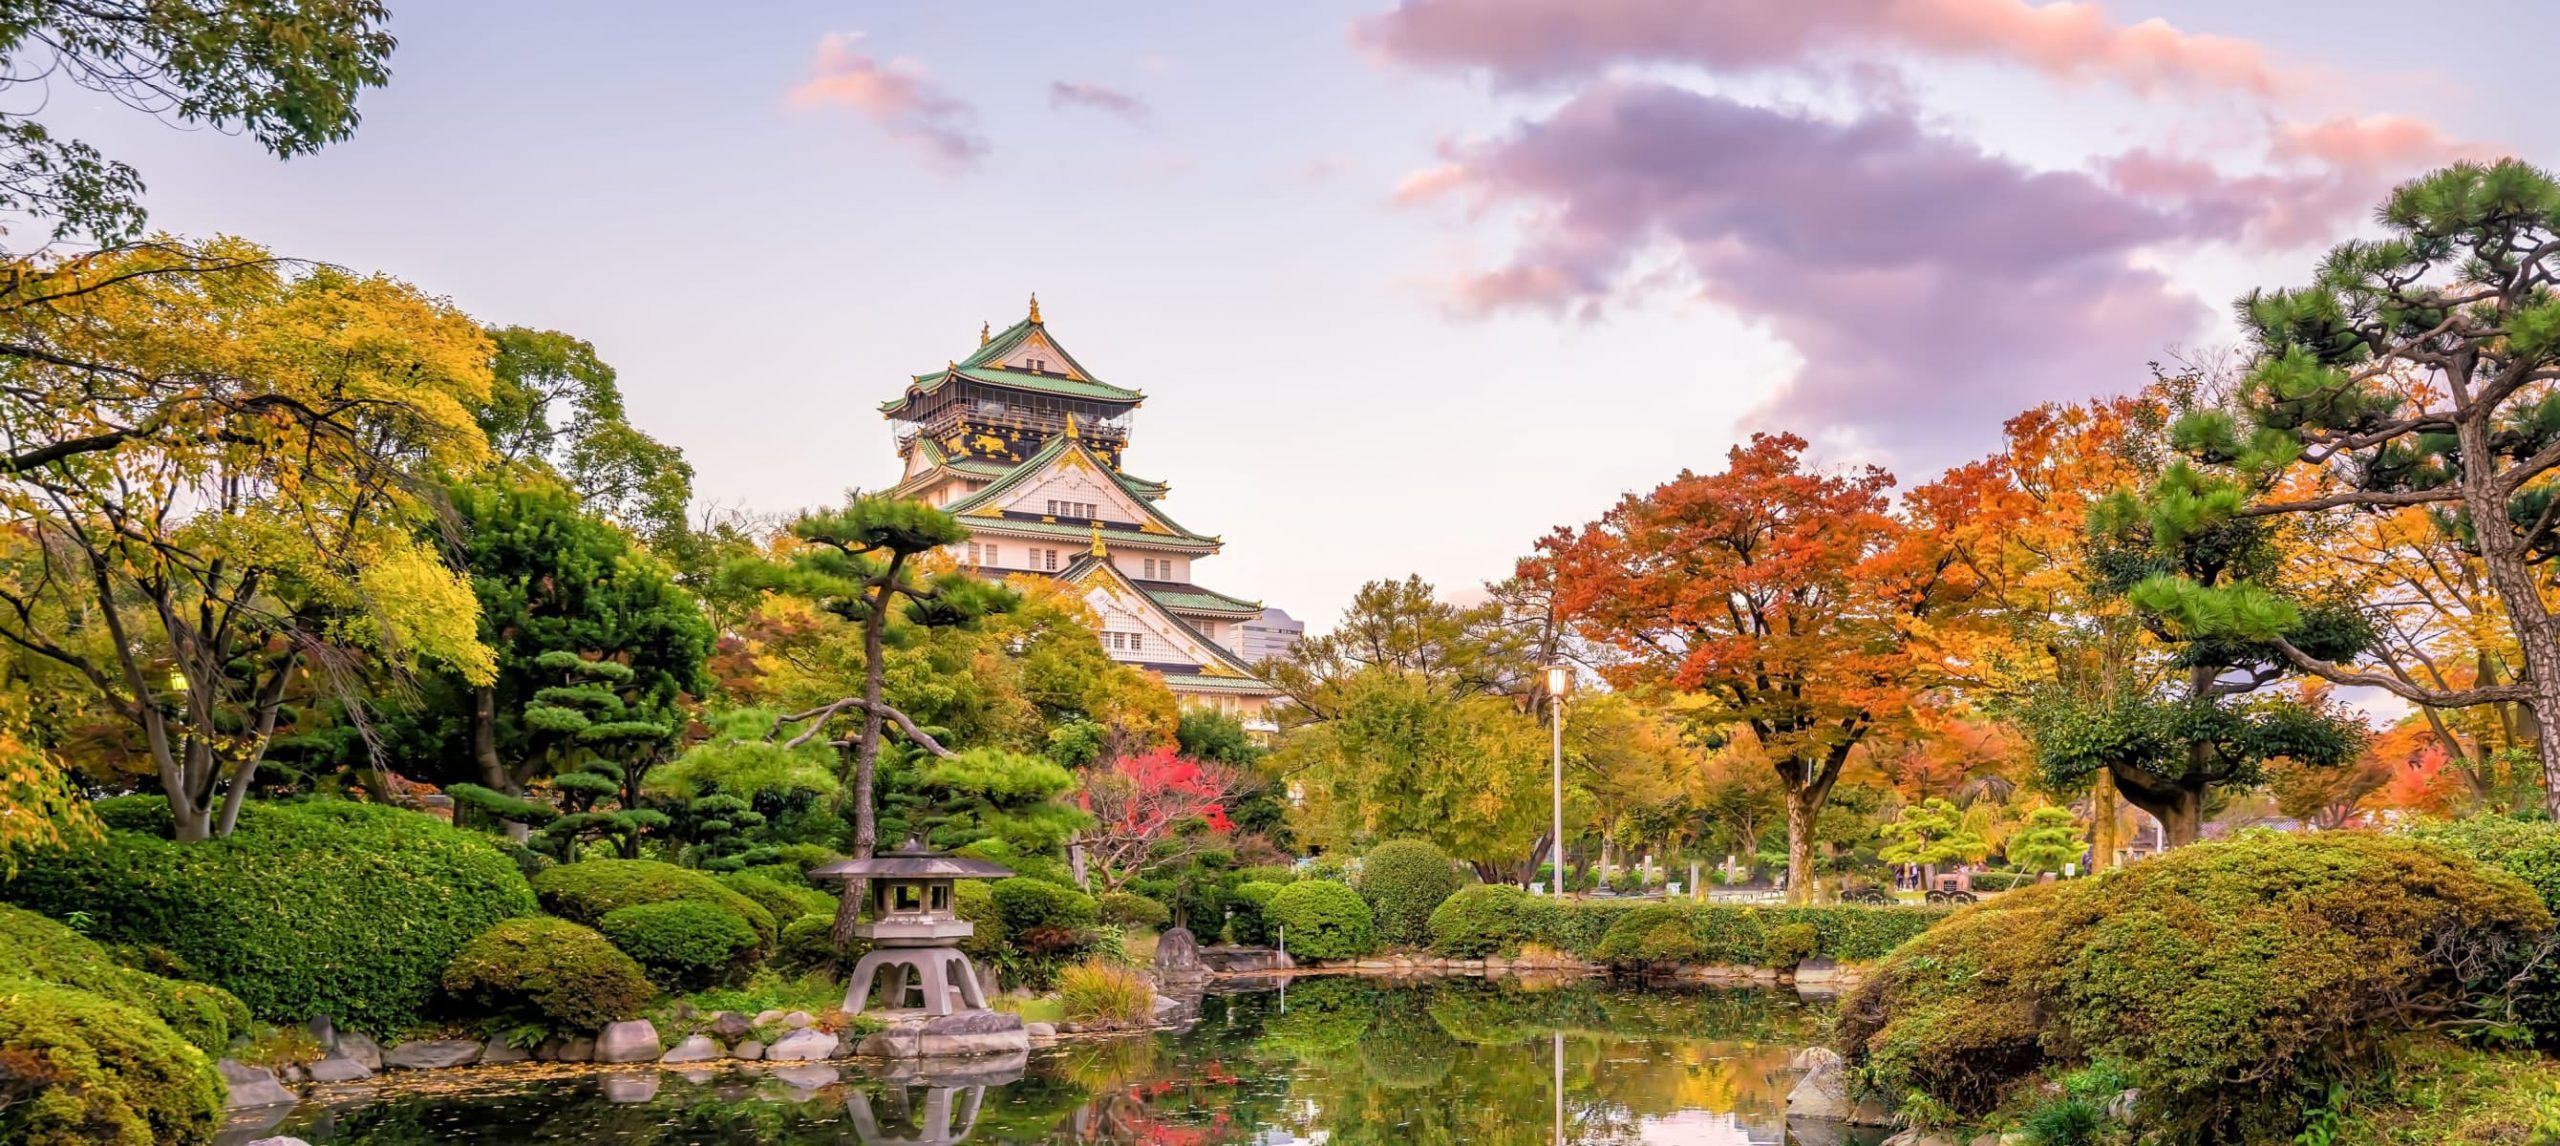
<point>1932,289</point>
<point>1065,93</point>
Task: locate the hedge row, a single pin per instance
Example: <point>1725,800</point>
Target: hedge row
<point>1499,920</point>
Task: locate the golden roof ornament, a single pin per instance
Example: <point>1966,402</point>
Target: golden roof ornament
<point>1071,425</point>
<point>1098,550</point>
<point>1035,306</point>
<point>983,337</point>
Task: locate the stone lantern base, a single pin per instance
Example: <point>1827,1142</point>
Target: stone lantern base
<point>931,972</point>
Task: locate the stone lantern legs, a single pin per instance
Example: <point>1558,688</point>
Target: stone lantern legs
<point>906,972</point>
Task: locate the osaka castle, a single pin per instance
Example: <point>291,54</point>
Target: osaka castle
<point>1023,444</point>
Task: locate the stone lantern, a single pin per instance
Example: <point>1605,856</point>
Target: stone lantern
<point>914,928</point>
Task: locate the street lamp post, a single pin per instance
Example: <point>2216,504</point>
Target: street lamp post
<point>1558,678</point>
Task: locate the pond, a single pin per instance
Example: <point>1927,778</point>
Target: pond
<point>1335,1060</point>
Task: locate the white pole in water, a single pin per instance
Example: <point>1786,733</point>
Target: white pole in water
<point>1559,1057</point>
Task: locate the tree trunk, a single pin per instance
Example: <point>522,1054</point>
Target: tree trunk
<point>2503,557</point>
<point>2102,822</point>
<point>1802,807</point>
<point>494,773</point>
<point>2180,811</point>
<point>866,753</point>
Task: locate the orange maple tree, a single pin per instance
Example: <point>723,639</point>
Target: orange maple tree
<point>1778,598</point>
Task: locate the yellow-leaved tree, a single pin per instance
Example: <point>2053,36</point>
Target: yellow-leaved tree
<point>212,465</point>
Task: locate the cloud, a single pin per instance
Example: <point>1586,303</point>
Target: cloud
<point>899,96</point>
<point>1931,288</point>
<point>1065,93</point>
<point>1524,43</point>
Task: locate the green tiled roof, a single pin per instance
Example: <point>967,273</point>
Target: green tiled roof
<point>1049,452</point>
<point>1196,599</point>
<point>981,367</point>
<point>1089,565</point>
<point>1084,533</point>
<point>1012,336</point>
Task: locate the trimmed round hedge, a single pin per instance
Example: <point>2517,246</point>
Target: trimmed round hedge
<point>784,901</point>
<point>2229,980</point>
<point>683,944</point>
<point>1404,882</point>
<point>558,974</point>
<point>586,892</point>
<point>1324,920</point>
<point>1249,913</point>
<point>36,947</point>
<point>1478,921</point>
<point>350,910</point>
<point>1028,904</point>
<point>105,1073</point>
<point>1124,909</point>
<point>2530,851</point>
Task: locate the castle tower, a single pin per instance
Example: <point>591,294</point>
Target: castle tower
<point>1024,445</point>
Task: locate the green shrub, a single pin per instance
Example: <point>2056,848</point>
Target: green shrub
<point>2229,980</point>
<point>587,892</point>
<point>1028,905</point>
<point>100,1072</point>
<point>1650,937</point>
<point>550,972</point>
<point>347,909</point>
<point>784,901</point>
<point>683,944</point>
<point>1249,913</point>
<point>1478,921</point>
<point>1324,920</point>
<point>808,944</point>
<point>1105,994</point>
<point>1121,909</point>
<point>2530,851</point>
<point>36,947</point>
<point>1404,882</point>
<point>1788,944</point>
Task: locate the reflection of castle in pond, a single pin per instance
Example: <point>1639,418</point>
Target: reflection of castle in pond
<point>913,926</point>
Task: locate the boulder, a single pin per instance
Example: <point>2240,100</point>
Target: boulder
<point>1178,956</point>
<point>629,1087</point>
<point>1812,1059</point>
<point>799,1021</point>
<point>252,1085</point>
<point>432,1054</point>
<point>279,1140</point>
<point>355,1045</point>
<point>1916,1137</point>
<point>807,1080</point>
<point>749,1050</point>
<point>802,1046</point>
<point>969,1033</point>
<point>1040,1032</point>
<point>635,1040</point>
<point>699,1048</point>
<point>497,1051</point>
<point>730,1026</point>
<point>339,1068</point>
<point>1825,1094</point>
<point>766,1018</point>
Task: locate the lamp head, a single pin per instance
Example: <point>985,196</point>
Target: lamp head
<point>1559,679</point>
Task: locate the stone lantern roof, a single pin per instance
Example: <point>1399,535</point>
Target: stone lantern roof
<point>911,860</point>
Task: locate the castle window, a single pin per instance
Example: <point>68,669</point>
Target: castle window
<point>1150,566</point>
<point>1049,560</point>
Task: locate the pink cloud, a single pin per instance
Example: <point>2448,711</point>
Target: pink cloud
<point>1532,42</point>
<point>1065,93</point>
<point>899,96</point>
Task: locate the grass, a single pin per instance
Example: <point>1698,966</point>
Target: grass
<point>1039,1009</point>
<point>1100,992</point>
<point>2450,1095</point>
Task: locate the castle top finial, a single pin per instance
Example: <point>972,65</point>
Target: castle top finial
<point>1071,425</point>
<point>1035,306</point>
<point>1098,549</point>
<point>983,336</point>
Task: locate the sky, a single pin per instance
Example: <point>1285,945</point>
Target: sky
<point>1407,283</point>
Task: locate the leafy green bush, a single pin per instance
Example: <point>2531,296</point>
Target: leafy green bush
<point>347,909</point>
<point>808,944</point>
<point>1249,913</point>
<point>39,948</point>
<point>100,1072</point>
<point>2530,851</point>
<point>1105,993</point>
<point>1121,909</point>
<point>1788,944</point>
<point>587,892</point>
<point>550,972</point>
<point>2229,980</point>
<point>1028,904</point>
<point>1404,882</point>
<point>1324,920</point>
<point>1478,921</point>
<point>1488,920</point>
<point>1650,937</point>
<point>683,944</point>
<point>784,901</point>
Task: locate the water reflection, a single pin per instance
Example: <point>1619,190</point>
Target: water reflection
<point>1344,1062</point>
